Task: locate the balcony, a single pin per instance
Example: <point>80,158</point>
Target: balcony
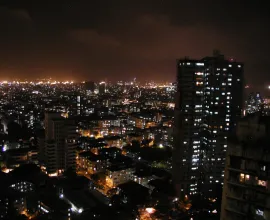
<point>229,209</point>
<point>236,207</point>
<point>251,184</point>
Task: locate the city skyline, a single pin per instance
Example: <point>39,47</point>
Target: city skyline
<point>124,40</point>
<point>134,110</point>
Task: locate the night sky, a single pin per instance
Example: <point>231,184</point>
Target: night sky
<point>123,39</point>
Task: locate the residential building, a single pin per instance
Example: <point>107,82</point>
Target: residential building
<point>118,174</point>
<point>102,88</point>
<point>222,108</point>
<point>207,106</point>
<point>60,143</point>
<point>246,191</point>
<point>254,103</point>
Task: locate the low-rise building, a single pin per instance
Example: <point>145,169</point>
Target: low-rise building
<point>91,162</point>
<point>114,141</point>
<point>117,174</point>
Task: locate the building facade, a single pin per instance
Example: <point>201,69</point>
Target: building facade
<point>246,191</point>
<point>188,117</point>
<point>222,108</point>
<point>60,143</point>
<point>254,103</point>
<point>207,106</point>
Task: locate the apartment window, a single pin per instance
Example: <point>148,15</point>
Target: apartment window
<point>263,168</point>
<point>262,183</point>
<point>244,177</point>
<point>259,212</point>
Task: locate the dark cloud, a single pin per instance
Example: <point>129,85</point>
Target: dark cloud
<point>123,39</point>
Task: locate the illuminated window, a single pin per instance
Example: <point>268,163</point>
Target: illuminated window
<point>263,168</point>
<point>262,183</point>
<point>242,178</point>
<point>259,212</point>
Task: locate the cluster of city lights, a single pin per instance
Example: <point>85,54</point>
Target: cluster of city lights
<point>35,83</point>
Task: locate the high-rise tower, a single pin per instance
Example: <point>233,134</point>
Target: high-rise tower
<point>188,117</point>
<point>208,105</point>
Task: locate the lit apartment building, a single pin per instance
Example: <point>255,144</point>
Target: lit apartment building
<point>222,108</point>
<point>143,180</point>
<point>188,117</point>
<point>114,141</point>
<point>266,106</point>
<point>246,192</point>
<point>60,143</point>
<point>142,121</point>
<point>91,162</point>
<point>254,103</point>
<point>108,121</point>
<point>207,107</point>
<point>117,175</point>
